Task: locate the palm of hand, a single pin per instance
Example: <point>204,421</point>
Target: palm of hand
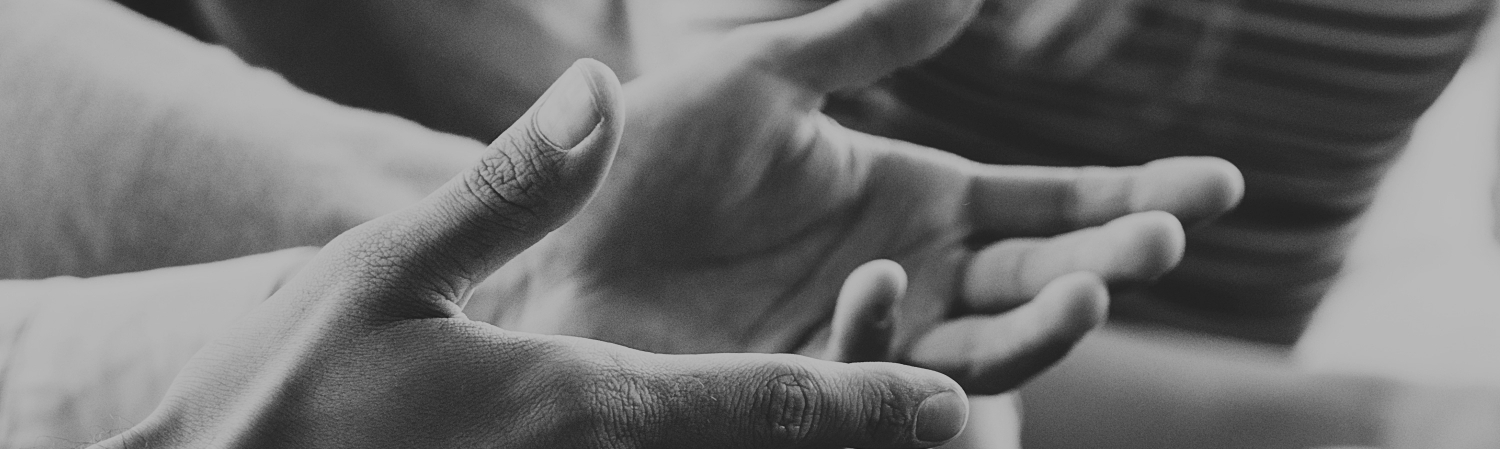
<point>735,210</point>
<point>367,346</point>
<point>745,211</point>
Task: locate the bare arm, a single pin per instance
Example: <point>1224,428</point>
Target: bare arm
<point>81,359</point>
<point>129,146</point>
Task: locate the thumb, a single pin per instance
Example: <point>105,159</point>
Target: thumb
<point>531,180</point>
<point>853,43</point>
<point>781,400</point>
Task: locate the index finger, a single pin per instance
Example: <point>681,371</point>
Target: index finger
<point>1028,200</point>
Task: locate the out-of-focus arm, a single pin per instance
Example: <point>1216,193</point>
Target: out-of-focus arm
<point>81,359</point>
<point>458,66</point>
<point>125,145</point>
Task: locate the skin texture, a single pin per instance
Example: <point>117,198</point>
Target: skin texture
<point>205,175</point>
<point>736,211</point>
<point>367,346</point>
<point>741,134</point>
<point>861,331</point>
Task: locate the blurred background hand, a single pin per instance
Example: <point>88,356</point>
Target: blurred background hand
<point>736,210</point>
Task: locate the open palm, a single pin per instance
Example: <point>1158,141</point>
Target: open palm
<point>736,210</point>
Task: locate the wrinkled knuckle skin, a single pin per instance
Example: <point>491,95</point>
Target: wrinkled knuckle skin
<point>790,401</point>
<point>892,421</point>
<point>372,260</point>
<point>625,408</point>
<point>513,181</point>
<point>609,407</point>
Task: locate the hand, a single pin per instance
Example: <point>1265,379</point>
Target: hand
<point>367,346</point>
<point>736,210</point>
<point>860,332</point>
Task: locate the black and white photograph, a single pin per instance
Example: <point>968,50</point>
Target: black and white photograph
<point>750,224</point>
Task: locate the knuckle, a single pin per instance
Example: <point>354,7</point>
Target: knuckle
<point>374,259</point>
<point>790,401</point>
<point>612,406</point>
<point>624,405</point>
<point>800,407</point>
<point>891,421</point>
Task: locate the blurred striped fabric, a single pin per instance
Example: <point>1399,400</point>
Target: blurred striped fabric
<point>1312,99</point>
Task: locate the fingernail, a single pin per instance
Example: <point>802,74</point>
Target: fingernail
<point>567,113</point>
<point>941,417</point>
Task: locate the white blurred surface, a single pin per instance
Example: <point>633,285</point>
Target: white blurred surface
<point>1420,295</point>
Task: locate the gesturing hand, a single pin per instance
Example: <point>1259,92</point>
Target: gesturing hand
<point>367,346</point>
<point>736,209</point>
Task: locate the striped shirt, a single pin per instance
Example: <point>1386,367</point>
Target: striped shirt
<point>1312,99</point>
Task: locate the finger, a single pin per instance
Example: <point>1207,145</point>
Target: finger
<point>793,401</point>
<point>862,316</point>
<point>855,42</point>
<point>1015,200</point>
<point>1133,249</point>
<point>994,354</point>
<point>533,178</point>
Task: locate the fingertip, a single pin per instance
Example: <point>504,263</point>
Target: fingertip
<point>1224,185</point>
<point>533,178</point>
<point>1196,189</point>
<point>801,402</point>
<point>570,110</point>
<point>942,406</point>
<point>1081,302</point>
<point>598,72</point>
<point>581,116</point>
<point>1154,245</point>
<point>572,131</point>
<point>885,278</point>
<point>592,151</point>
<point>604,86</point>
<point>861,325</point>
<point>941,417</point>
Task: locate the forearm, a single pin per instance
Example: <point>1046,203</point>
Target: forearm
<point>81,359</point>
<point>130,146</point>
<point>462,67</point>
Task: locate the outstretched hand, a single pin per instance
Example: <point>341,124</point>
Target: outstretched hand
<point>736,210</point>
<point>367,346</point>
